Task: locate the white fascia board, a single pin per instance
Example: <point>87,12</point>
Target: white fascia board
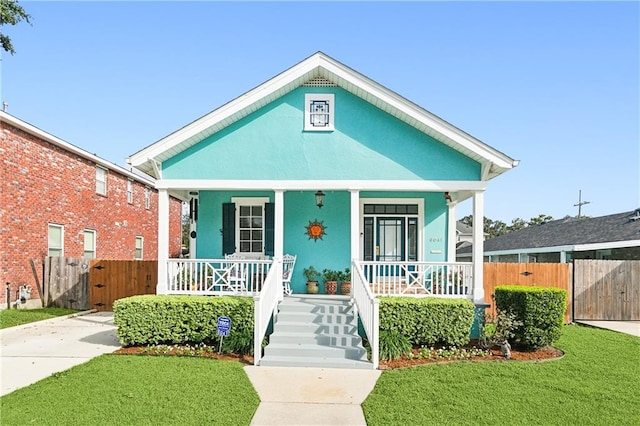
<point>530,250</point>
<point>609,245</point>
<point>325,185</point>
<point>419,114</point>
<point>225,111</point>
<point>32,130</point>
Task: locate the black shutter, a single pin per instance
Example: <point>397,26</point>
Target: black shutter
<point>228,228</point>
<point>269,224</point>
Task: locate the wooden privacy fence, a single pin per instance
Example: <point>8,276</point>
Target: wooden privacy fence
<point>110,280</point>
<point>556,275</point>
<point>607,290</point>
<point>78,283</point>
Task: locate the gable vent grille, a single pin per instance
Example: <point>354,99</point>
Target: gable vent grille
<point>319,82</point>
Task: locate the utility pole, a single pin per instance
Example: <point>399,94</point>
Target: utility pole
<point>580,203</point>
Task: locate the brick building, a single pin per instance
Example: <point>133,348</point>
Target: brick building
<point>59,200</point>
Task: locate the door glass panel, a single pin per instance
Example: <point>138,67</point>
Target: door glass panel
<point>390,239</point>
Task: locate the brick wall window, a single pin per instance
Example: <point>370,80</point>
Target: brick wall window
<point>147,198</point>
<point>130,191</point>
<point>56,240</point>
<point>101,181</point>
<point>89,244</point>
<point>139,246</point>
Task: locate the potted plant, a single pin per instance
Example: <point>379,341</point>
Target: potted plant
<point>345,286</point>
<point>330,278</point>
<point>312,275</point>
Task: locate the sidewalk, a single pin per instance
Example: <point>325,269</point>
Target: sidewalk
<point>32,352</point>
<point>310,396</point>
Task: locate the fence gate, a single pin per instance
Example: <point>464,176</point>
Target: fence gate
<point>110,280</point>
<point>556,275</point>
<point>66,282</point>
<point>607,290</point>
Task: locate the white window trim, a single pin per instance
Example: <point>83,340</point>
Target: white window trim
<point>249,201</point>
<point>95,243</point>
<point>135,250</point>
<point>130,191</point>
<point>311,97</point>
<point>106,178</point>
<point>421,224</point>
<point>61,248</point>
<point>147,197</point>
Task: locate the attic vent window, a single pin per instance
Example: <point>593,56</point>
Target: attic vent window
<point>319,112</point>
<point>319,82</point>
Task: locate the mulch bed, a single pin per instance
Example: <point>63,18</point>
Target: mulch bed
<point>541,354</point>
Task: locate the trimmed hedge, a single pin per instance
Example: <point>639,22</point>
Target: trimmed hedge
<point>540,309</point>
<point>160,319</point>
<point>426,321</point>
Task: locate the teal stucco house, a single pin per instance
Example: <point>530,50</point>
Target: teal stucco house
<point>322,163</point>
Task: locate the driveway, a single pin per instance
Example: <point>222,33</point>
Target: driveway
<point>628,327</point>
<point>32,352</point>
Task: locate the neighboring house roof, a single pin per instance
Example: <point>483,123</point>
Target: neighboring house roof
<point>321,67</point>
<point>570,234</point>
<point>32,130</point>
<point>463,229</point>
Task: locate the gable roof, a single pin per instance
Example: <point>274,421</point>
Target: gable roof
<point>321,66</point>
<point>48,137</point>
<point>571,234</point>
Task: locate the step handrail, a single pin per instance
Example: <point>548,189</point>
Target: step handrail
<point>368,307</point>
<point>265,306</point>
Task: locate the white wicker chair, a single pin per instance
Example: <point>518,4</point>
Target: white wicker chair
<point>288,263</point>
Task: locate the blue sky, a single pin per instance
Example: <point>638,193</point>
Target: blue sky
<point>553,84</point>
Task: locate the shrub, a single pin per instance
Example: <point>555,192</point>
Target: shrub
<point>393,345</point>
<point>160,319</point>
<point>539,309</point>
<point>427,321</point>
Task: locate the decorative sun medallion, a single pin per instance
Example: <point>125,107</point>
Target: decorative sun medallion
<point>315,230</point>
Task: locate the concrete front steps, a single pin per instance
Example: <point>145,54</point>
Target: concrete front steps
<point>315,331</point>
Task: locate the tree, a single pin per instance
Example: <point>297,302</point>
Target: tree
<point>540,220</point>
<point>11,13</point>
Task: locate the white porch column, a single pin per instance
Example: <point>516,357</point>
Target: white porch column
<point>163,240</point>
<point>563,256</point>
<point>478,246</point>
<point>355,225</point>
<point>278,235</point>
<point>451,232</point>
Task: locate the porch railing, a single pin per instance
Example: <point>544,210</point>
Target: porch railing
<point>367,306</point>
<point>216,277</point>
<point>265,307</point>
<point>451,279</point>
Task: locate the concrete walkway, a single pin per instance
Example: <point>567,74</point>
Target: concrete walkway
<point>310,396</point>
<point>34,351</point>
<point>288,395</point>
<point>628,327</point>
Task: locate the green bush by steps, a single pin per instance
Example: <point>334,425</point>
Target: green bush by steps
<point>427,321</point>
<point>540,309</point>
<point>158,319</point>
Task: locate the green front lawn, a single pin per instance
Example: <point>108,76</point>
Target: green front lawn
<point>137,390</point>
<point>596,383</point>
<point>13,317</point>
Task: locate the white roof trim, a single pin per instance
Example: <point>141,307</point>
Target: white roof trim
<point>26,127</point>
<point>325,185</point>
<point>567,248</point>
<point>322,65</point>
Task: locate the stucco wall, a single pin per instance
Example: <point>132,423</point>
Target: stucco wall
<point>367,143</point>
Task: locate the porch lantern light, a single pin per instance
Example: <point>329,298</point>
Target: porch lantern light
<point>319,199</point>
